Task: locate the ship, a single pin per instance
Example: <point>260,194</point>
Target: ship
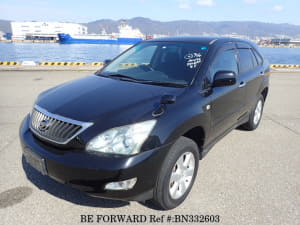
<point>126,36</point>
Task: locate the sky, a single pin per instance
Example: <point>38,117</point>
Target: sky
<point>271,11</point>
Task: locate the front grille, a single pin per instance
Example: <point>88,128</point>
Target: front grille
<point>55,128</point>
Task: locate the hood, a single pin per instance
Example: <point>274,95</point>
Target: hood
<point>94,97</point>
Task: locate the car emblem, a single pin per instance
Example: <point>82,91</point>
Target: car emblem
<point>44,125</point>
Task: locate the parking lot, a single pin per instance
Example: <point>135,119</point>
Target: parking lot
<point>247,178</point>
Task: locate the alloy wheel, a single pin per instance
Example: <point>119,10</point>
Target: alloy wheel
<point>257,112</point>
<point>182,175</point>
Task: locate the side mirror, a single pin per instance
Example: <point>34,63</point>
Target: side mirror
<point>224,78</point>
<point>107,61</point>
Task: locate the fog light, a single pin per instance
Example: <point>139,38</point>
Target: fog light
<point>121,185</point>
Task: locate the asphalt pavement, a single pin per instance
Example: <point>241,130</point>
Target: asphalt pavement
<point>247,178</point>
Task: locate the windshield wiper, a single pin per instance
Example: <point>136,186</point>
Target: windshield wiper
<point>122,76</point>
<point>132,79</point>
<point>167,84</point>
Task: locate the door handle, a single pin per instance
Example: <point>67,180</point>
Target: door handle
<point>242,84</point>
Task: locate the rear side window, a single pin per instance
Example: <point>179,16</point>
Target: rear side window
<point>254,60</point>
<point>247,60</point>
<point>225,61</point>
<point>258,57</point>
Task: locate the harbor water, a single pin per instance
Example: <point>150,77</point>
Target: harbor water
<point>54,52</point>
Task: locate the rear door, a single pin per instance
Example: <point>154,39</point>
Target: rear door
<point>227,102</point>
<point>250,72</point>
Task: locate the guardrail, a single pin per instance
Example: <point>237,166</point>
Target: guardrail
<point>62,63</point>
<point>97,63</point>
<point>285,66</point>
<point>9,63</point>
<point>51,63</point>
<point>12,63</point>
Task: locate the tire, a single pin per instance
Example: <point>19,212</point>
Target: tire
<point>183,154</point>
<point>255,115</point>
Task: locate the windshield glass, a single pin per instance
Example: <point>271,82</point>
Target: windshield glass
<point>163,62</point>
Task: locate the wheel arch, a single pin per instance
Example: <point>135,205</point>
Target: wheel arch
<point>264,93</point>
<point>197,134</point>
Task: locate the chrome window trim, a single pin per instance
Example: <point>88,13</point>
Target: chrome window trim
<point>84,125</point>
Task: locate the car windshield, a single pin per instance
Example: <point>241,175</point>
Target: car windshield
<point>158,63</point>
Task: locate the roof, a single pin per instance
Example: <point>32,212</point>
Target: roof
<point>198,39</point>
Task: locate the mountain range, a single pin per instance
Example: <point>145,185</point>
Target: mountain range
<point>251,29</point>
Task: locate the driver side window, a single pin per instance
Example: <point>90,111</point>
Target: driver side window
<point>226,61</point>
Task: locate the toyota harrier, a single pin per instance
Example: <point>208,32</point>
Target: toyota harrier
<point>137,128</point>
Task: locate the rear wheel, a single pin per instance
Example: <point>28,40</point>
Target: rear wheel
<point>255,115</point>
<point>177,174</point>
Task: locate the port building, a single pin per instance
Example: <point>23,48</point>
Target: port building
<point>44,30</point>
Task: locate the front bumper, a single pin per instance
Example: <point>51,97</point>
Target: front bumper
<point>91,172</point>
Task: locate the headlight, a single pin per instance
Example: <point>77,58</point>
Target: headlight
<point>125,140</point>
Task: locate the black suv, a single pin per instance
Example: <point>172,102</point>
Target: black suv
<point>136,129</point>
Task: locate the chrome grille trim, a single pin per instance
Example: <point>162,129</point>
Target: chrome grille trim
<point>59,129</point>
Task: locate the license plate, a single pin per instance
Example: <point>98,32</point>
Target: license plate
<point>35,161</point>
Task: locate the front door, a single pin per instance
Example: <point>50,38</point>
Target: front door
<point>226,102</point>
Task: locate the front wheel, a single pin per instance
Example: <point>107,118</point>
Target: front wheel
<point>177,174</point>
<point>255,115</point>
